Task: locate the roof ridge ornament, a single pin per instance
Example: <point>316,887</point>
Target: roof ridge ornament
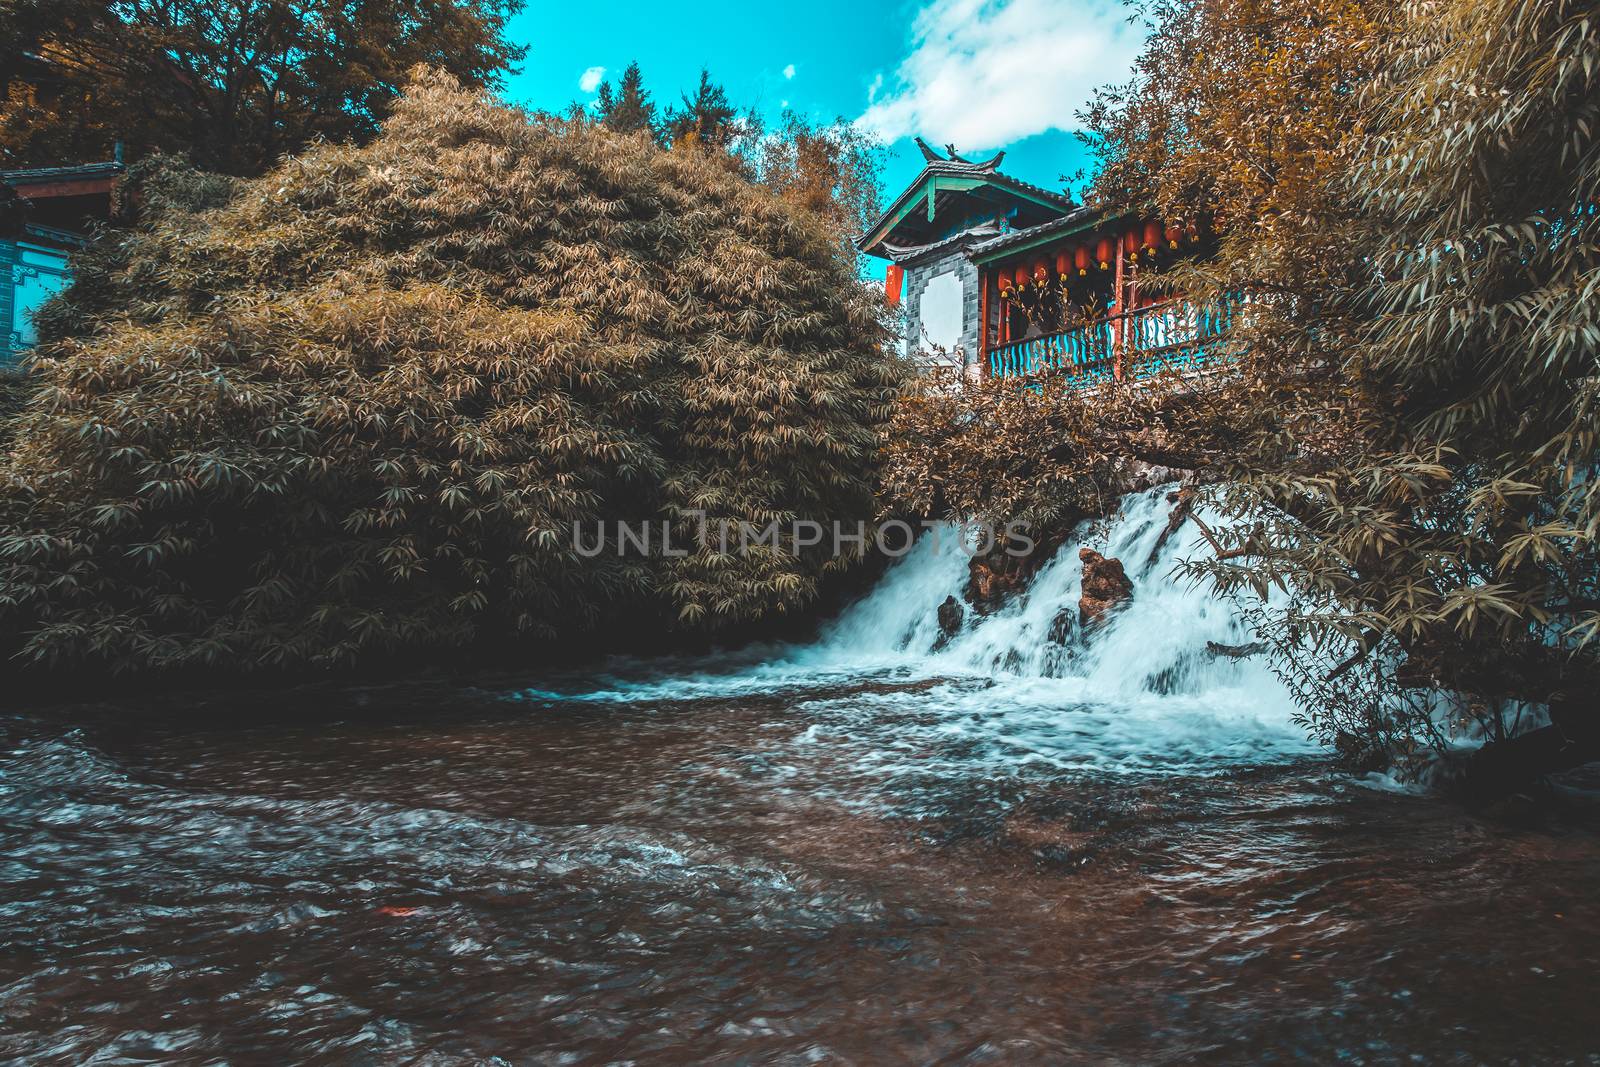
<point>932,155</point>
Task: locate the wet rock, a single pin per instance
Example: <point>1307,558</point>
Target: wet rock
<point>1163,682</point>
<point>996,577</point>
<point>1360,753</point>
<point>1061,647</point>
<point>950,615</point>
<point>1105,587</point>
<point>1062,627</point>
<point>1138,476</point>
<point>1217,648</point>
<point>991,581</point>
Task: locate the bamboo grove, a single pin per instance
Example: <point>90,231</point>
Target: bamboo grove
<point>357,408</point>
<point>1410,190</point>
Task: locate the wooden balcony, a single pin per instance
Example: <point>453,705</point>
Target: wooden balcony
<point>1173,335</point>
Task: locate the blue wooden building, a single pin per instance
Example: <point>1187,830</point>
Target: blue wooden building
<point>46,214</point>
<point>1001,277</point>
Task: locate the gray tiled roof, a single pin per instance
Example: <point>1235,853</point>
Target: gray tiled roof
<point>969,170</point>
<point>1066,222</point>
<point>911,253</point>
<point>32,175</point>
<point>961,169</point>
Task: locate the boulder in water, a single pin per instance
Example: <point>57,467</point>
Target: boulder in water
<point>996,577</point>
<point>992,581</point>
<point>1062,627</point>
<point>1105,587</point>
<point>950,615</point>
<point>1217,648</point>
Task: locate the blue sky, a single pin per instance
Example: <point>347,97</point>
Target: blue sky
<point>983,74</point>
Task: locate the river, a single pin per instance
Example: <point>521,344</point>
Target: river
<point>859,850</point>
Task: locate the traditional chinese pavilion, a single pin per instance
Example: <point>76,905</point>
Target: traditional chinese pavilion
<point>998,276</point>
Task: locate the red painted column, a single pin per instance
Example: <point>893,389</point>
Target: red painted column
<point>1120,309</point>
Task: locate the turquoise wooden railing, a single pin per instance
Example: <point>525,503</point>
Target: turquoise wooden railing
<point>1171,336</point>
<point>1083,352</point>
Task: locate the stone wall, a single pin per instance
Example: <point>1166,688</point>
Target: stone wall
<point>917,278</point>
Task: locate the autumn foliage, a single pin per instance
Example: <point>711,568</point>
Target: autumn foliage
<point>1070,453</point>
<point>1409,192</point>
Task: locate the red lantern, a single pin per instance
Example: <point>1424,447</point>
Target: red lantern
<point>1173,234</point>
<point>1130,243</point>
<point>1063,265</point>
<point>1152,237</point>
<point>1020,276</point>
<point>1041,273</point>
<point>1193,231</point>
<point>1082,256</point>
<point>1003,279</point>
<point>1104,251</point>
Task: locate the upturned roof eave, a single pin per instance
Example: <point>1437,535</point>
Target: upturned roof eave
<point>869,241</point>
<point>910,255</point>
<point>1010,244</point>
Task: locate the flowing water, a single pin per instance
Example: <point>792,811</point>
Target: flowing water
<point>1112,849</point>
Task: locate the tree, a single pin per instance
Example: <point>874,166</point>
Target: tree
<point>831,170</point>
<point>1470,533</point>
<point>834,171</point>
<point>705,119</point>
<point>628,108</point>
<point>360,408</point>
<point>230,86</point>
<point>1407,192</point>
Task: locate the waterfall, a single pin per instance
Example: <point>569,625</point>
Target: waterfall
<point>1154,645</point>
<point>1139,691</point>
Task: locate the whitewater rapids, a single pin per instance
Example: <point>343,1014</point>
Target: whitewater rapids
<point>1140,693</point>
<point>859,850</point>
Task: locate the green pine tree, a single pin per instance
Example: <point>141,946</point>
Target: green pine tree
<point>628,108</point>
<point>706,117</point>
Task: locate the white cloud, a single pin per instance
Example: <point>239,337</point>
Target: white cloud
<point>589,80</point>
<point>985,73</point>
<point>788,72</point>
